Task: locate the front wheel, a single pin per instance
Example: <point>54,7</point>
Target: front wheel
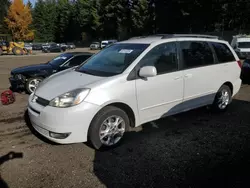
<point>32,84</point>
<point>222,99</point>
<point>108,127</point>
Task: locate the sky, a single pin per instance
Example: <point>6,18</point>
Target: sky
<point>32,1</point>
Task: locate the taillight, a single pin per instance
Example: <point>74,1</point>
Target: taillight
<point>239,63</point>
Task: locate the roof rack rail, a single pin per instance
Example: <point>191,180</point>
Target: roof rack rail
<point>146,36</point>
<point>190,35</point>
<point>166,36</point>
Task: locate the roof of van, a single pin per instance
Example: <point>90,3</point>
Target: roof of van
<point>159,37</point>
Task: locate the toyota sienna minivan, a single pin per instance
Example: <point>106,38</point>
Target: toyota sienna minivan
<point>133,82</point>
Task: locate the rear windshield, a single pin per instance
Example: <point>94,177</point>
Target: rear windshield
<point>112,60</point>
<point>244,45</point>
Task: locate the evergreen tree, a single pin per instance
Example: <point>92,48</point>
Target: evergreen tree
<point>45,20</point>
<point>87,17</point>
<point>140,17</point>
<point>114,17</point>
<point>3,13</point>
<point>63,18</point>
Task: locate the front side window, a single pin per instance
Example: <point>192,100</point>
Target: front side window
<point>223,53</point>
<point>163,57</point>
<point>112,60</point>
<point>196,54</point>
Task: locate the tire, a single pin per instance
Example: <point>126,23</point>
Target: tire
<point>1,51</point>
<point>30,81</point>
<point>219,104</point>
<point>97,124</point>
<point>17,51</point>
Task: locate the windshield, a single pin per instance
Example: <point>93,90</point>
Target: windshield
<point>57,61</point>
<point>244,45</point>
<point>112,60</point>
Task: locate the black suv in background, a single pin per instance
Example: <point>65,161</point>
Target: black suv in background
<point>54,48</point>
<point>28,77</point>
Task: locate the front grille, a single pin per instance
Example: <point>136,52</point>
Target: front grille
<point>42,101</point>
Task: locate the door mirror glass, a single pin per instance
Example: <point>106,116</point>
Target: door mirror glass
<point>148,71</point>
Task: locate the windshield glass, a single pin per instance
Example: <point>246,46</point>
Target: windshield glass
<point>244,45</point>
<point>112,60</point>
<point>57,61</point>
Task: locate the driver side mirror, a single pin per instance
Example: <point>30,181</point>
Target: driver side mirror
<point>147,71</point>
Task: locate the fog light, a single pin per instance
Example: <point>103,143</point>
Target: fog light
<point>59,135</point>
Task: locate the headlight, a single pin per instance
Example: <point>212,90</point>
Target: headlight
<point>18,76</point>
<point>70,98</point>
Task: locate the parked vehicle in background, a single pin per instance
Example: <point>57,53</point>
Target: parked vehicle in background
<point>241,45</point>
<point>37,46</point>
<point>28,77</point>
<point>95,46</point>
<point>63,45</point>
<point>71,46</point>
<point>105,43</point>
<point>28,46</point>
<point>53,48</point>
<point>245,72</point>
<point>134,82</point>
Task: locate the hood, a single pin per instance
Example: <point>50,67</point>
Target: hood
<point>63,82</point>
<point>31,68</point>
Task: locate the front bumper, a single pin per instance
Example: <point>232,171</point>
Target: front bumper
<point>74,121</point>
<point>16,84</point>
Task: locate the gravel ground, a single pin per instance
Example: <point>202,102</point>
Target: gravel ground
<point>192,149</point>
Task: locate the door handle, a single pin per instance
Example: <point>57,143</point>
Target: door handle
<point>188,75</point>
<point>178,77</point>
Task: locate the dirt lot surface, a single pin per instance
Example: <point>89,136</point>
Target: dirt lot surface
<point>193,149</point>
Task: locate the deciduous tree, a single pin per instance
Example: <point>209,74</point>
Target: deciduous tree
<point>18,21</point>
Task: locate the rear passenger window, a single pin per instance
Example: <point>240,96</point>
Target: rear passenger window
<point>223,53</point>
<point>196,54</point>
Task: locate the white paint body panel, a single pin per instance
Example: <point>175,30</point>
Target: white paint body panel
<point>149,99</point>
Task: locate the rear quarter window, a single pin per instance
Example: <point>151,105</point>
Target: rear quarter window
<point>223,52</point>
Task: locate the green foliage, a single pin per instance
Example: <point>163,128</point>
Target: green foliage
<point>69,20</point>
<point>3,13</point>
<point>44,20</point>
<point>140,17</point>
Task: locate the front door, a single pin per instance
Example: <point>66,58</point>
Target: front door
<point>160,95</point>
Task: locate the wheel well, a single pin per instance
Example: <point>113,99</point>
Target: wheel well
<point>128,111</point>
<point>230,85</point>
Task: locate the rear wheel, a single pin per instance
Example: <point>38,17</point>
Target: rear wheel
<point>108,127</point>
<point>32,84</point>
<point>17,51</point>
<point>222,99</point>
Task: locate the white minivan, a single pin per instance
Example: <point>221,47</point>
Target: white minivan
<point>133,82</point>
